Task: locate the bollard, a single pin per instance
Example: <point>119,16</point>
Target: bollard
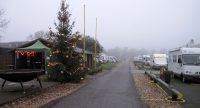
<point>176,95</point>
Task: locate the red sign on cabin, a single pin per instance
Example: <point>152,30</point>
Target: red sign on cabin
<point>27,53</point>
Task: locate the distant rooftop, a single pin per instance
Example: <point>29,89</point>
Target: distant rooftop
<point>12,44</point>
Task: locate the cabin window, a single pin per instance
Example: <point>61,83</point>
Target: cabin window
<point>191,59</point>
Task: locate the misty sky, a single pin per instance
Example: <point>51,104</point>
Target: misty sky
<point>150,24</point>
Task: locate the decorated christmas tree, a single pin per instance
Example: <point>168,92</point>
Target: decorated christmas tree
<point>65,64</point>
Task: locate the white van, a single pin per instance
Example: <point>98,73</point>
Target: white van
<point>158,60</point>
<point>146,59</point>
<point>185,63</point>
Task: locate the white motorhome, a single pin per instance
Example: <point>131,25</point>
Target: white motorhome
<point>158,60</point>
<point>185,63</point>
<point>146,59</point>
<point>138,60</point>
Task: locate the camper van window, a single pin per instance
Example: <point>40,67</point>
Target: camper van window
<point>174,58</point>
<point>191,59</point>
<point>179,59</point>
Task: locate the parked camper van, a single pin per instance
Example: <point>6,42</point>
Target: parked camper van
<point>185,62</point>
<point>158,60</point>
<point>138,60</point>
<point>146,59</point>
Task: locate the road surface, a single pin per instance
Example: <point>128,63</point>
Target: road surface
<point>116,89</point>
<point>190,91</point>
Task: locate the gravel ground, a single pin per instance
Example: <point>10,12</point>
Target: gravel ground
<point>151,93</point>
<point>47,95</point>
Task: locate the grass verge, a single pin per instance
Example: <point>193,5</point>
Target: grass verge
<point>108,66</point>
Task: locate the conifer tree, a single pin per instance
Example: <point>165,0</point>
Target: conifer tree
<point>65,64</point>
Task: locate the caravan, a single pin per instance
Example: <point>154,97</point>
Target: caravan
<point>158,60</point>
<point>185,63</point>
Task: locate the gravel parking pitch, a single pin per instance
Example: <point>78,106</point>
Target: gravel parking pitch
<point>151,93</point>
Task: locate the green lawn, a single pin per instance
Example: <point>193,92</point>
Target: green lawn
<point>108,66</point>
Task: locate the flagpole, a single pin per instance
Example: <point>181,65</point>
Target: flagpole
<point>95,47</point>
<point>84,43</point>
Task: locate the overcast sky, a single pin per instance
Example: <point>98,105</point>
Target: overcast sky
<point>150,24</point>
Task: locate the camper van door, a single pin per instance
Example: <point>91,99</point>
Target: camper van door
<point>177,66</point>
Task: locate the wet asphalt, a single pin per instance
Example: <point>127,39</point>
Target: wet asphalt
<point>190,91</point>
<point>115,89</point>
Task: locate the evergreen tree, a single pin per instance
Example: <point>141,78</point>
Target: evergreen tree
<point>65,64</point>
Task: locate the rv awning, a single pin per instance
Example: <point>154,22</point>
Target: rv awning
<point>37,46</point>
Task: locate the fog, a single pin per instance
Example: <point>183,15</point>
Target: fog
<point>139,24</point>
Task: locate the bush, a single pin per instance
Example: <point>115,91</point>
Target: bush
<point>58,73</point>
<point>108,66</point>
<point>94,71</point>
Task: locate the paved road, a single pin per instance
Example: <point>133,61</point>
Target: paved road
<point>113,90</point>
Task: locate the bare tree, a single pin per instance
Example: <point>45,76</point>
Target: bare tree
<point>90,44</point>
<point>127,53</point>
<point>3,22</point>
<point>38,34</point>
